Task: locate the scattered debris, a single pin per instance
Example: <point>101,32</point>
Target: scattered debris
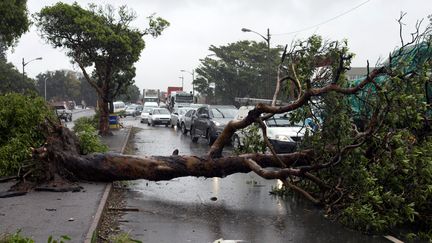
<point>12,194</point>
<point>7,178</point>
<point>125,209</point>
<point>227,241</point>
<point>393,239</point>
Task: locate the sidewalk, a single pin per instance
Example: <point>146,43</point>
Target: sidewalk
<point>76,214</point>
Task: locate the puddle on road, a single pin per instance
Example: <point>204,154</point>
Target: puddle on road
<point>184,210</point>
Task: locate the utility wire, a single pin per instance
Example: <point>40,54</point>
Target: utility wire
<point>326,21</point>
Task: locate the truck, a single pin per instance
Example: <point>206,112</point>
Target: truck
<point>173,89</point>
<point>151,95</point>
<point>179,99</point>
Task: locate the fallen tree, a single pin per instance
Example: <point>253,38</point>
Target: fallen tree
<point>369,164</point>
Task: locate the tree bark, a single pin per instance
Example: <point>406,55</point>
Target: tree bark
<point>112,167</point>
<point>61,156</point>
<point>104,129</point>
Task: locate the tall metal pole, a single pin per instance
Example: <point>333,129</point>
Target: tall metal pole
<point>23,64</point>
<point>182,79</point>
<point>23,71</point>
<point>193,79</point>
<point>193,85</point>
<point>267,39</point>
<point>269,64</point>
<point>45,87</point>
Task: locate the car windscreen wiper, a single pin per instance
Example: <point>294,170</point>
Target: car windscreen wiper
<point>220,113</point>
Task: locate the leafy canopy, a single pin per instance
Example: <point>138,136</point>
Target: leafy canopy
<point>14,21</point>
<point>97,37</point>
<point>238,69</point>
<point>20,118</point>
<point>100,39</point>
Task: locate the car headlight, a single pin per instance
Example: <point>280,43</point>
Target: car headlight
<point>218,124</point>
<point>156,118</point>
<point>284,138</point>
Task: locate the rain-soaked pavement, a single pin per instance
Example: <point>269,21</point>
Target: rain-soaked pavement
<point>238,207</point>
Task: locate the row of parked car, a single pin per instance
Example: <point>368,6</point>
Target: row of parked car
<point>208,121</point>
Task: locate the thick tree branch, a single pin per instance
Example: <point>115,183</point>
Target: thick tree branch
<point>232,126</point>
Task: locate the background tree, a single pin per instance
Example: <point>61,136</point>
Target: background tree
<point>237,70</point>
<point>11,80</point>
<point>88,93</point>
<point>98,38</point>
<point>61,85</point>
<point>13,22</point>
<point>131,94</point>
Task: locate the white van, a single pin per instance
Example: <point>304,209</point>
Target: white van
<point>119,106</point>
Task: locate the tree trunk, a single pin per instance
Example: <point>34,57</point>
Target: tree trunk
<point>112,167</point>
<point>104,129</point>
<point>61,157</point>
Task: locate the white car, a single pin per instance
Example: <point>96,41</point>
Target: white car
<point>282,134</point>
<point>159,116</point>
<point>145,113</point>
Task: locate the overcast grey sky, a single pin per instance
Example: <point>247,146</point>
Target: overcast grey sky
<point>371,30</point>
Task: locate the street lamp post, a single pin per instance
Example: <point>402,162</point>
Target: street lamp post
<point>193,79</point>
<point>182,79</point>
<point>23,72</point>
<point>267,39</point>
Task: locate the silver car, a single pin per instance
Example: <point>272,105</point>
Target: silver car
<point>186,122</point>
<point>177,115</point>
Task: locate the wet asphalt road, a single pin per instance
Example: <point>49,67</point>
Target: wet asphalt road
<point>238,207</point>
<point>77,113</point>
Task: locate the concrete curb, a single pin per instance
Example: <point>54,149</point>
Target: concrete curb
<point>98,215</point>
<point>102,204</point>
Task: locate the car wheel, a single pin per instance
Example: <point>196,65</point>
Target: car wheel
<point>210,140</point>
<point>183,129</point>
<point>142,121</point>
<point>236,141</point>
<point>194,138</point>
<point>152,123</point>
<point>148,123</point>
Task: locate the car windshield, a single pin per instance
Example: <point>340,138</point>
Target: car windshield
<point>282,121</point>
<point>147,109</point>
<point>224,112</point>
<point>160,111</point>
<point>182,111</point>
<point>60,107</point>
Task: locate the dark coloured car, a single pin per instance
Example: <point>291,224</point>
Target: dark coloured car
<point>209,121</point>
